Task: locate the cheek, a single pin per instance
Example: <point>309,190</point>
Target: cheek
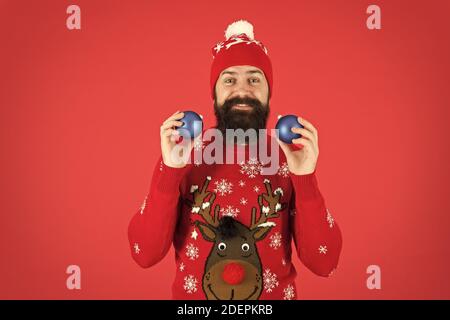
<point>221,96</point>
<point>262,95</point>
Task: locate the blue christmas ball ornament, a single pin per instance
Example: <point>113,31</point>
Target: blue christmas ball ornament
<point>284,126</point>
<point>192,125</point>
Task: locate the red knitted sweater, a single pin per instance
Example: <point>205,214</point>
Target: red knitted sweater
<point>232,226</point>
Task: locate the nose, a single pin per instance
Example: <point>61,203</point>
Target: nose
<point>243,89</point>
<point>233,273</point>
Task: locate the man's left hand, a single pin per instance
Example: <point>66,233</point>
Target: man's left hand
<point>303,161</point>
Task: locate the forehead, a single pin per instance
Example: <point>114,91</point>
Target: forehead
<point>242,70</point>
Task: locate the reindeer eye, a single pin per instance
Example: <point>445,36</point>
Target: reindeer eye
<point>222,246</point>
<point>245,247</point>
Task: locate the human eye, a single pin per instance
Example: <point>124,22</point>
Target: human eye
<point>254,80</point>
<point>228,80</point>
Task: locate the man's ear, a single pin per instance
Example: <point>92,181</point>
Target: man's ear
<point>208,232</point>
<point>261,232</point>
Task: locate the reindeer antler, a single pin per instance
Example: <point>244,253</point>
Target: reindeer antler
<point>202,206</point>
<point>270,211</point>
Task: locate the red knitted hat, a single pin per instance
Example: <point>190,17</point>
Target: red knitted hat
<point>240,48</point>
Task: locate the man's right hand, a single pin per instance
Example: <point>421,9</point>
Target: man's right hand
<point>169,137</point>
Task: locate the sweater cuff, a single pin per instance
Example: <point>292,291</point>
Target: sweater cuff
<point>170,178</point>
<point>305,185</point>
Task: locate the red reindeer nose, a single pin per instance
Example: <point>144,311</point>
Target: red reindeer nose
<point>233,273</point>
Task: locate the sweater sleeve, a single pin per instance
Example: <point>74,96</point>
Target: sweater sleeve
<point>151,229</point>
<point>317,236</point>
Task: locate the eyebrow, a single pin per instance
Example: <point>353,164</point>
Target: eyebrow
<point>248,72</point>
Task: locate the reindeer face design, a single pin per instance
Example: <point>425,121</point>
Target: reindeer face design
<point>233,269</point>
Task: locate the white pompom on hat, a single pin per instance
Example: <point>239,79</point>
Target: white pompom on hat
<point>239,27</point>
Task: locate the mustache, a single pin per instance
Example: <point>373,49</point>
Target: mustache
<point>228,118</point>
<point>254,103</point>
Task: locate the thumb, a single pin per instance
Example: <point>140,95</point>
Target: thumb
<point>285,147</point>
<point>188,145</point>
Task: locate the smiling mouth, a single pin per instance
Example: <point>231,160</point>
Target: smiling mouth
<point>241,106</point>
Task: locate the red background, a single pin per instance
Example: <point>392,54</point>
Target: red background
<point>80,117</point>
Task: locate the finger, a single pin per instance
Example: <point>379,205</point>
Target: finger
<point>175,137</point>
<point>308,125</point>
<point>170,132</point>
<point>305,133</point>
<point>284,146</point>
<point>172,116</point>
<point>304,142</point>
<point>175,116</point>
<point>170,124</point>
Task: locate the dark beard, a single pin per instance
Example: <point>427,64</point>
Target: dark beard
<point>228,118</point>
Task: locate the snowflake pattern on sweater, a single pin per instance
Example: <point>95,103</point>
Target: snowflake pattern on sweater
<point>232,228</point>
